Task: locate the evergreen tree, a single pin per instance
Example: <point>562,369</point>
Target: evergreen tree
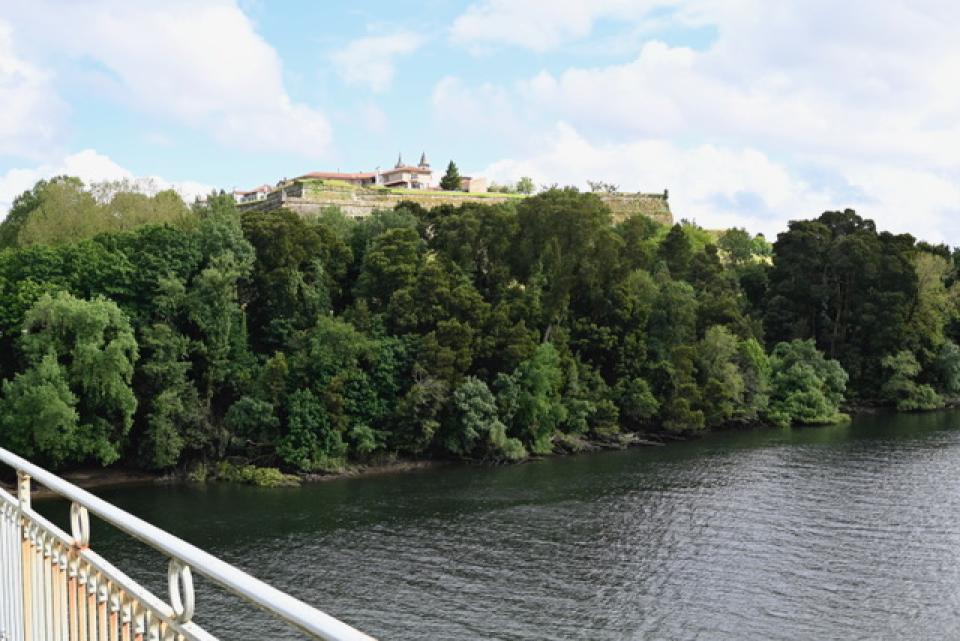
<point>451,179</point>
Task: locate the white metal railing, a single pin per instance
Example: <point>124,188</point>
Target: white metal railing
<point>53,587</point>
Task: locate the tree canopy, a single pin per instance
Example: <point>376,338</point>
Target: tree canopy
<point>161,337</point>
<point>451,178</point>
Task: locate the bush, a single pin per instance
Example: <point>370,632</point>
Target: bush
<point>253,475</point>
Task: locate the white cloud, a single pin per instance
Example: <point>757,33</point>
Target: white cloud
<point>540,25</point>
<point>795,106</point>
<point>716,186</point>
<point>371,61</point>
<point>375,118</point>
<point>30,108</point>
<point>870,93</point>
<point>199,62</point>
<point>90,166</point>
<point>486,108</point>
<point>723,187</point>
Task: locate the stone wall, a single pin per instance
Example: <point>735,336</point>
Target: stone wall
<point>311,199</point>
<point>655,206</point>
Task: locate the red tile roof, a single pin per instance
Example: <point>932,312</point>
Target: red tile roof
<point>332,175</point>
<point>409,169</point>
<point>255,190</point>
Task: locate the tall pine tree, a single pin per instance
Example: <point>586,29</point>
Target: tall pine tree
<point>451,179</point>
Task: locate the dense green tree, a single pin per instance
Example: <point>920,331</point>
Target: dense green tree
<point>477,331</point>
<point>451,178</point>
<point>720,377</point>
<point>63,210</point>
<point>525,186</point>
<point>310,443</point>
<point>680,410</point>
<point>39,419</point>
<point>805,387</point>
<point>172,415</point>
<point>479,240</point>
<point>636,401</point>
<point>851,289</point>
<point>946,369</point>
<point>391,263</point>
<point>737,245</point>
<point>565,247</point>
<point>296,275</point>
<point>901,387</point>
<point>641,240</point>
<point>530,401</point>
<point>676,251</point>
<point>754,365</point>
<point>419,413</point>
<point>475,427</point>
<point>79,357</point>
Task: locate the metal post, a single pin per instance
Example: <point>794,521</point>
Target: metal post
<point>26,574</point>
<point>61,589</point>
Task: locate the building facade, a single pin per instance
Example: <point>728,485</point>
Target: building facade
<point>407,176</point>
<point>358,179</point>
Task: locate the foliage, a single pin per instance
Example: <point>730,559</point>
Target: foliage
<point>530,401</point>
<point>901,387</point>
<point>62,210</point>
<point>852,290</point>
<point>451,179</point>
<point>525,185</point>
<point>73,402</point>
<point>805,387</point>
<point>253,475</point>
<point>171,338</point>
<point>476,429</point>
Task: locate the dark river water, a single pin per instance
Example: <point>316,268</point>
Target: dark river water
<point>846,532</point>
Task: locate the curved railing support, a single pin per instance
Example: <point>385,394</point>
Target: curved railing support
<point>54,587</point>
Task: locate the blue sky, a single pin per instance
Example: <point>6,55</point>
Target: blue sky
<point>751,112</point>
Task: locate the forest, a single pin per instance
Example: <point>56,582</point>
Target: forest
<point>138,331</point>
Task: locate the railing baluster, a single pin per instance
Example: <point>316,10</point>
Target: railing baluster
<point>73,572</point>
<point>6,621</point>
<point>26,573</point>
<point>126,617</point>
<point>114,625</point>
<point>92,607</point>
<point>53,587</point>
<point>46,572</point>
<point>82,604</point>
<point>55,592</point>
<point>102,596</point>
<point>36,566</point>
<point>139,624</point>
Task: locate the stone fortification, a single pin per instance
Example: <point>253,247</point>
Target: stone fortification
<point>312,197</point>
<point>624,205</point>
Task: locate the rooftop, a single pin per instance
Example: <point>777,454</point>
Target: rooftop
<point>408,168</point>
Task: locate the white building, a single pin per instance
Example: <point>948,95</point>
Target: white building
<point>257,193</point>
<point>408,176</point>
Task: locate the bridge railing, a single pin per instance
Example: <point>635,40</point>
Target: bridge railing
<point>54,587</point>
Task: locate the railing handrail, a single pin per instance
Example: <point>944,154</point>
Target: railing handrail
<point>264,596</point>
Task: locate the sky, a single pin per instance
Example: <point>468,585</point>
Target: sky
<point>751,112</point>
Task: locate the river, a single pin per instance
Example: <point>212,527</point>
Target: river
<point>843,532</point>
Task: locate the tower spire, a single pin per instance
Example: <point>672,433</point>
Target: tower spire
<point>399,160</point>
<point>423,161</point>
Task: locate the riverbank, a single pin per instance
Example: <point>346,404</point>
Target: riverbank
<point>564,445</point>
<point>91,479</point>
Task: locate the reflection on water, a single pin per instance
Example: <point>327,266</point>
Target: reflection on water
<point>840,532</point>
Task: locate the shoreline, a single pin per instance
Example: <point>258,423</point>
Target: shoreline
<point>91,479</point>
